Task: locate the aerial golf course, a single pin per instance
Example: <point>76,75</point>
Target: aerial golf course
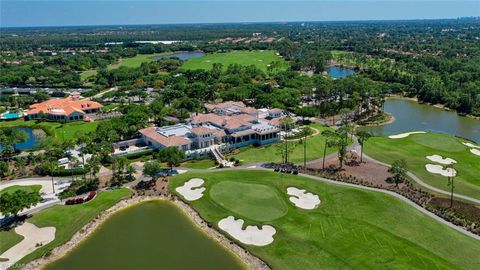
<point>415,149</point>
<point>348,228</point>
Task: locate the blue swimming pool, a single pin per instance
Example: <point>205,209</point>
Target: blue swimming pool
<point>11,115</point>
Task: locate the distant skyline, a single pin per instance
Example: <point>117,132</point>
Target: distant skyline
<point>22,13</point>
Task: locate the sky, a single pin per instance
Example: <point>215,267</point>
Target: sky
<point>22,13</point>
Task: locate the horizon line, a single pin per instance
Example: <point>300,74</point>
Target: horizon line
<point>246,22</point>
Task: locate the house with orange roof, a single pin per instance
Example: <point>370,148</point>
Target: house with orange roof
<point>63,109</point>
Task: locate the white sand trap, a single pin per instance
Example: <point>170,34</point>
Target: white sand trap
<point>475,152</point>
<point>252,235</point>
<point>471,145</point>
<point>190,189</point>
<point>438,169</point>
<point>32,236</point>
<point>441,160</point>
<point>303,199</point>
<point>404,135</point>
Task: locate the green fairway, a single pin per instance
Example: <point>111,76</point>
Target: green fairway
<point>68,219</point>
<point>255,202</point>
<point>8,239</point>
<point>269,153</point>
<point>134,62</point>
<point>61,131</point>
<point>87,73</point>
<point>261,59</point>
<point>11,189</point>
<point>414,150</point>
<point>351,229</point>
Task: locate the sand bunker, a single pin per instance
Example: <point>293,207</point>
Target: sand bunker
<point>190,189</point>
<point>475,152</point>
<point>34,238</point>
<point>252,235</point>
<point>471,145</point>
<point>438,169</point>
<point>404,135</point>
<point>441,160</point>
<point>303,199</point>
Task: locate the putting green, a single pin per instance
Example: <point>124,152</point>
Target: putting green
<point>439,141</point>
<point>252,201</point>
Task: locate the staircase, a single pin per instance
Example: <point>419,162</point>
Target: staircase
<point>219,157</point>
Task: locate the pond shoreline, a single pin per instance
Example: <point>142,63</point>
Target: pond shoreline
<point>81,235</point>
<point>438,106</point>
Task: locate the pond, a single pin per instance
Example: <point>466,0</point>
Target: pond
<point>149,235</point>
<point>181,55</point>
<point>31,142</point>
<point>411,116</point>
<point>337,72</point>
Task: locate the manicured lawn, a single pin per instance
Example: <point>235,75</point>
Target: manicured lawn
<point>199,164</point>
<point>87,73</point>
<point>134,62</point>
<point>414,150</point>
<point>11,189</point>
<point>8,239</point>
<point>68,219</point>
<point>61,131</point>
<point>257,202</point>
<point>261,59</point>
<point>268,153</point>
<point>351,229</point>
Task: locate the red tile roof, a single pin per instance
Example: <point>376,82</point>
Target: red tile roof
<point>63,106</point>
<point>201,130</point>
<point>151,132</point>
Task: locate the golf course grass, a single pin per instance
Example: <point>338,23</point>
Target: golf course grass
<point>11,189</point>
<point>61,131</point>
<point>351,229</point>
<point>68,219</point>
<point>261,59</point>
<point>269,153</point>
<point>199,164</point>
<point>414,150</point>
<point>8,239</point>
<point>257,202</point>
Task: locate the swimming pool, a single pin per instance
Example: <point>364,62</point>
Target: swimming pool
<point>11,115</point>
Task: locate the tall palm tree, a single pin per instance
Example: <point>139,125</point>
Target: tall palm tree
<point>362,136</point>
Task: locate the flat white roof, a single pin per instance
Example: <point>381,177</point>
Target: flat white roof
<point>177,130</point>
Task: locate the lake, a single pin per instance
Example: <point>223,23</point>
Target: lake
<point>31,141</point>
<point>337,72</point>
<point>411,116</point>
<point>149,235</point>
<point>182,56</point>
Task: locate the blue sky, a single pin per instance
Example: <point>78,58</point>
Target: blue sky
<point>60,13</point>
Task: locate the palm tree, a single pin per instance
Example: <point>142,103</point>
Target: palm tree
<point>306,131</point>
<point>362,136</point>
<point>51,166</point>
<point>329,142</point>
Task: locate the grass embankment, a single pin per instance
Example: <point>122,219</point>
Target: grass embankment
<point>61,131</point>
<point>414,150</point>
<point>269,153</point>
<point>260,59</point>
<point>68,219</point>
<point>11,189</point>
<point>352,228</point>
<point>199,164</point>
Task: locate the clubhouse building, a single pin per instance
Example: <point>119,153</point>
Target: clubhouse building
<point>63,109</point>
<point>229,123</point>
